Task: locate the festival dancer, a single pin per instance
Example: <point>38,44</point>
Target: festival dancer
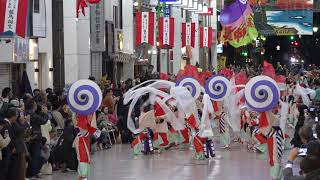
<point>161,140</point>
<point>87,127</point>
<point>273,137</point>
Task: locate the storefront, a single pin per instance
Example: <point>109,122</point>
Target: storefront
<point>14,54</point>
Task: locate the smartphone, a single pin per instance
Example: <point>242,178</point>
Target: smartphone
<point>302,152</point>
<point>312,109</point>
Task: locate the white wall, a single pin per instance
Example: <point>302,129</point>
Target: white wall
<point>6,52</point>
<point>108,10</point>
<point>176,13</point>
<point>45,46</point>
<point>213,22</point>
<point>163,61</point>
<point>32,75</point>
<point>128,36</point>
<point>39,19</point>
<point>76,43</point>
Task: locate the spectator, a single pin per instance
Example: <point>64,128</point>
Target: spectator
<point>36,92</point>
<point>4,149</point>
<point>296,141</point>
<point>57,116</point>
<point>46,128</point>
<point>6,94</point>
<point>17,167</point>
<point>310,165</point>
<point>4,141</point>
<point>4,100</point>
<point>38,117</point>
<point>306,134</point>
<point>108,101</point>
<point>67,146</point>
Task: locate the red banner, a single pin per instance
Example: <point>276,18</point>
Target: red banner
<point>13,16</point>
<point>166,32</point>
<point>188,32</point>
<point>145,28</point>
<point>206,35</point>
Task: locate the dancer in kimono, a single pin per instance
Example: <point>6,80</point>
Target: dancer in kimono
<point>161,140</point>
<point>87,127</point>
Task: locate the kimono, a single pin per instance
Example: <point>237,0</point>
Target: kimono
<point>87,127</point>
<point>274,138</point>
<point>224,129</point>
<point>161,139</point>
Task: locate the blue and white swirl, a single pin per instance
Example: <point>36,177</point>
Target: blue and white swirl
<point>191,84</point>
<point>84,97</point>
<point>217,87</point>
<point>262,93</point>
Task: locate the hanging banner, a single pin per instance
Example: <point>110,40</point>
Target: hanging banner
<point>13,16</point>
<point>166,32</point>
<point>145,28</point>
<point>97,27</point>
<point>206,35</point>
<point>188,32</point>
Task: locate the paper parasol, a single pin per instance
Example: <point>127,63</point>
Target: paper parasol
<point>217,87</point>
<point>191,84</point>
<point>84,97</point>
<point>262,93</point>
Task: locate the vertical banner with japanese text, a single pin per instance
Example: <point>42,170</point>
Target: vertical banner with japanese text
<point>166,32</point>
<point>145,28</point>
<point>13,16</point>
<point>188,34</point>
<point>206,35</point>
<point>97,27</point>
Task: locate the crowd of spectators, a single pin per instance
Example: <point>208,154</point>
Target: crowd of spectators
<point>37,131</point>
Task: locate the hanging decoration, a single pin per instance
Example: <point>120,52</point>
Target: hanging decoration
<point>81,4</point>
<point>166,32</point>
<point>206,36</point>
<point>13,15</point>
<point>188,32</point>
<point>237,23</point>
<point>145,28</point>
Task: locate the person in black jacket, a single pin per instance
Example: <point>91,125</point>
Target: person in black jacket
<point>7,151</point>
<point>38,117</point>
<point>17,166</point>
<point>296,141</point>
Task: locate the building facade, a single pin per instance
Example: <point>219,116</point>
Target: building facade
<point>60,48</point>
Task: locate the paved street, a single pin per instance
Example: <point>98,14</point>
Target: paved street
<point>119,164</point>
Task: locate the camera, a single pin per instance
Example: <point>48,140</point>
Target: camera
<point>302,152</point>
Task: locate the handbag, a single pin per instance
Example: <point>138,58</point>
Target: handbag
<point>46,169</point>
